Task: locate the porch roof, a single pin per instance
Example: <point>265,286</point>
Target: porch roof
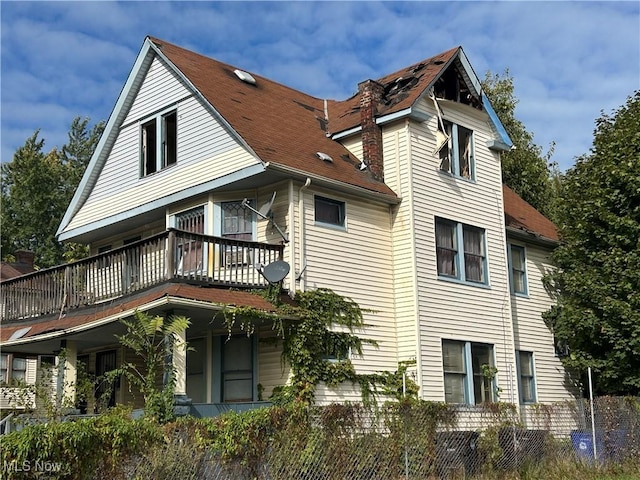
<point>174,295</point>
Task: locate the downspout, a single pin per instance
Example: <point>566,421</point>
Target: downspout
<point>416,297</point>
<point>303,260</point>
<point>292,240</point>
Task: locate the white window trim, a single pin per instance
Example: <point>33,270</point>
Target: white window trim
<point>335,226</point>
<point>534,383</point>
<point>455,153</point>
<point>460,264</point>
<point>160,130</point>
<point>525,293</point>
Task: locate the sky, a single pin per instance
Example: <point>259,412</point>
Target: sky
<point>570,61</point>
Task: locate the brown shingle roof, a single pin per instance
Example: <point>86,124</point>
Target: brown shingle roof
<point>77,318</point>
<point>282,125</point>
<point>520,215</point>
<point>402,90</point>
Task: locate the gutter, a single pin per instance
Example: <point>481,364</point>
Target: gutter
<point>334,184</point>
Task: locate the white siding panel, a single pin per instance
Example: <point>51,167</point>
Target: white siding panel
<point>161,88</point>
<point>532,335</point>
<point>451,310</point>
<point>271,371</point>
<point>206,151</point>
<point>356,262</point>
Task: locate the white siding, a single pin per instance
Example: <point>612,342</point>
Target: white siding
<point>206,151</point>
<point>355,262</point>
<point>451,310</point>
<point>531,333</point>
<point>271,371</point>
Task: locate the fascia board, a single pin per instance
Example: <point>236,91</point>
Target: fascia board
<point>166,201</point>
<point>108,137</point>
<point>335,184</point>
<point>530,237</point>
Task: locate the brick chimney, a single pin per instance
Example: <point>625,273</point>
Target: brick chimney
<point>371,93</point>
<point>24,257</point>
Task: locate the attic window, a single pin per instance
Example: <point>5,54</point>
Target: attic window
<point>245,76</point>
<point>158,142</point>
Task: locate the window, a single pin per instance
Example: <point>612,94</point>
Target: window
<point>12,368</point>
<point>518,269</point>
<point>526,377</point>
<point>191,253</point>
<point>159,143</point>
<point>237,369</point>
<point>468,372</point>
<point>471,265</point>
<point>455,149</point>
<point>237,221</point>
<point>329,212</point>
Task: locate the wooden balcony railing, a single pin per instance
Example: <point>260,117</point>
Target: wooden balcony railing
<point>171,255</point>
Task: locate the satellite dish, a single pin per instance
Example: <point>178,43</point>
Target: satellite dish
<point>266,208</point>
<point>275,271</point>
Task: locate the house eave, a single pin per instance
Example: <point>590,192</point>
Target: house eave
<point>531,237</point>
<point>335,184</point>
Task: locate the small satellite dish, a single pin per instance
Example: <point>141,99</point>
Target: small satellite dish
<point>266,208</point>
<point>275,271</point>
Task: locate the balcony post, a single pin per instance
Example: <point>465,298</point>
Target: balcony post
<point>171,254</point>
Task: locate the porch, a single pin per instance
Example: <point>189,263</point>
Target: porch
<point>171,256</point>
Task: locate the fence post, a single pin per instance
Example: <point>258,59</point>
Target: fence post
<point>593,418</point>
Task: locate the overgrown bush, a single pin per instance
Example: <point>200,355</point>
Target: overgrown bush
<point>86,448</point>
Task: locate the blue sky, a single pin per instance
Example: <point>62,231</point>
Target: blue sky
<point>569,60</point>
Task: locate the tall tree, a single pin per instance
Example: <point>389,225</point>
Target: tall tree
<point>32,199</point>
<point>36,190</point>
<point>526,169</point>
<point>597,281</point>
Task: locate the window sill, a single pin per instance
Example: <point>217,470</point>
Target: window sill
<point>471,180</point>
<point>332,226</point>
<point>520,294</point>
<point>464,282</point>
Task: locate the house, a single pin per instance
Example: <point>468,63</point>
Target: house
<point>207,173</point>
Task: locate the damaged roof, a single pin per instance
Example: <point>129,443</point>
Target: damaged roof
<point>402,89</point>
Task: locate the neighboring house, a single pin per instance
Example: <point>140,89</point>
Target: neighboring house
<point>392,197</point>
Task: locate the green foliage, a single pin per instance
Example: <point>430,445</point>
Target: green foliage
<point>526,169</point>
<point>81,449</point>
<point>153,339</point>
<point>597,279</point>
<point>36,189</point>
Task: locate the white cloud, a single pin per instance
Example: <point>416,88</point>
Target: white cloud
<point>569,60</point>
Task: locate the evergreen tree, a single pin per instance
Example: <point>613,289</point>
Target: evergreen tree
<point>36,189</point>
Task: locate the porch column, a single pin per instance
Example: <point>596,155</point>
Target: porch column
<point>70,374</point>
<point>179,358</point>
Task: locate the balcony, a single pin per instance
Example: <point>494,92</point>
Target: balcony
<point>172,256</point>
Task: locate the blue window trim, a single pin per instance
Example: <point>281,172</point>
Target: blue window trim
<point>533,378</point>
<point>469,392</point>
<point>460,278</point>
<point>525,293</point>
<point>455,154</point>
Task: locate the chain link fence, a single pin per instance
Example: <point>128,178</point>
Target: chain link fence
<point>421,440</point>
